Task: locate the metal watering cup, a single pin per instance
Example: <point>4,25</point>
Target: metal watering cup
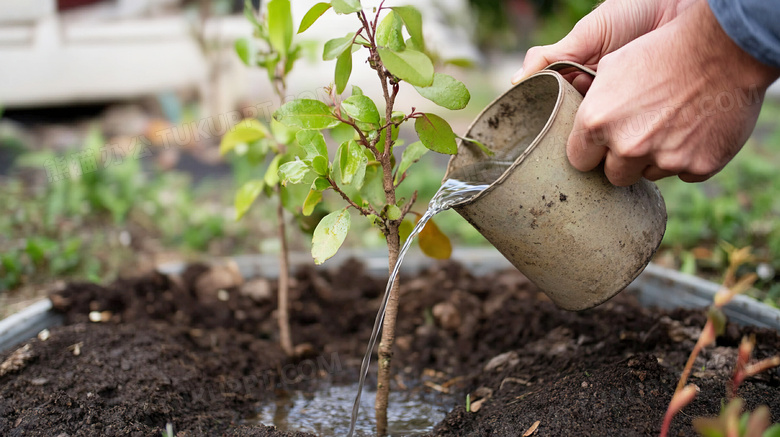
<point>579,238</point>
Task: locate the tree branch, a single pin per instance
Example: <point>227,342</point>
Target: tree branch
<point>408,207</point>
<point>364,211</point>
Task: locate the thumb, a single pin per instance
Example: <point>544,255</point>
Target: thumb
<point>536,59</point>
<point>606,29</point>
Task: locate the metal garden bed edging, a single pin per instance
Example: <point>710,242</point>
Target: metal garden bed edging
<point>656,286</point>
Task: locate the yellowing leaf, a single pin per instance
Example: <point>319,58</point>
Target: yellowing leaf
<point>405,229</point>
<point>248,131</point>
<point>330,235</point>
<point>311,201</point>
<point>433,242</point>
<point>246,196</point>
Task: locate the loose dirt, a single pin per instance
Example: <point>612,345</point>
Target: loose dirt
<point>199,351</point>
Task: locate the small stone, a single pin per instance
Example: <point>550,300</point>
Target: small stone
<point>259,290</point>
<point>223,295</point>
<point>39,381</point>
<point>125,239</point>
<point>105,316</point>
<point>304,350</point>
<point>500,361</point>
<point>218,277</point>
<point>584,384</point>
<point>765,271</point>
<point>76,348</point>
<point>447,315</point>
<point>94,316</point>
<point>44,335</point>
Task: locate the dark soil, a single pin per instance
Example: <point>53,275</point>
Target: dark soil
<point>177,350</point>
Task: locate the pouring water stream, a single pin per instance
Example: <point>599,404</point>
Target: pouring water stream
<point>451,193</point>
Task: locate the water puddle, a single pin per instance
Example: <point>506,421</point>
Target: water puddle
<point>452,192</point>
<point>327,412</point>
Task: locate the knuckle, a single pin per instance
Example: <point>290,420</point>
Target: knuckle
<point>627,149</point>
<point>590,118</point>
<point>671,163</point>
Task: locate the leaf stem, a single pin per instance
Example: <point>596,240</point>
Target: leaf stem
<point>364,211</point>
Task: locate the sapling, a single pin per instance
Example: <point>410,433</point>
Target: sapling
<point>272,49</point>
<point>364,172</point>
<point>729,423</point>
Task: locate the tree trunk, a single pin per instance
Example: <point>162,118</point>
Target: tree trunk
<point>285,339</point>
<point>385,352</point>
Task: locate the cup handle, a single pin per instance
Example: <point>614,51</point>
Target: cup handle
<point>565,65</point>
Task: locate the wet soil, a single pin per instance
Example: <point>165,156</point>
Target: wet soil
<point>199,351</point>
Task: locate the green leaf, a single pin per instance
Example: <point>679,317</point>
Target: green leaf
<point>330,235</point>
<point>405,229</point>
<point>361,108</point>
<point>247,131</point>
<point>311,201</point>
<point>314,13</point>
<point>293,172</point>
<point>342,133</point>
<point>357,91</point>
<point>280,25</point>
<point>411,154</point>
<point>313,143</point>
<point>246,196</point>
<point>335,47</point>
<point>772,431</point>
<point>433,242</point>
<point>245,49</point>
<point>352,163</point>
<point>320,165</point>
<point>392,212</point>
<point>306,114</point>
<point>320,184</point>
<point>249,13</point>
<point>413,21</point>
<point>283,134</point>
<point>271,177</point>
<point>390,32</point>
<point>409,65</point>
<point>483,147</point>
<point>346,6</point>
<point>446,91</point>
<point>436,134</point>
<point>343,70</point>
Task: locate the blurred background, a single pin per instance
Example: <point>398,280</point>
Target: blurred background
<point>152,85</point>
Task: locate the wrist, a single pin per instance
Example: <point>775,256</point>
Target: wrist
<point>745,69</point>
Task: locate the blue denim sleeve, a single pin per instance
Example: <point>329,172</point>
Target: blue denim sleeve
<point>753,24</point>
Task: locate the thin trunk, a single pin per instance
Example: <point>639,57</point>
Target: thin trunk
<point>385,352</point>
<point>285,339</point>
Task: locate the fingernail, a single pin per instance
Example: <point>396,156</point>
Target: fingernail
<point>518,76</point>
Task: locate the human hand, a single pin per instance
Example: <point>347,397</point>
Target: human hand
<point>673,96</point>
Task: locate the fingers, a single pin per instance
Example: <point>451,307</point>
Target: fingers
<point>582,83</point>
<point>623,171</point>
<point>584,150</point>
<point>653,173</point>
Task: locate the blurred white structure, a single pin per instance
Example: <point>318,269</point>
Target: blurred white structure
<point>128,48</point>
<point>108,51</point>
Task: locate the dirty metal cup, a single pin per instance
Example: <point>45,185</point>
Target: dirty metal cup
<point>579,238</point>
